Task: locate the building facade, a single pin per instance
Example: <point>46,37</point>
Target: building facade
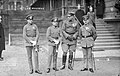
<point>57,7</point>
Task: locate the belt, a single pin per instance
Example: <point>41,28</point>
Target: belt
<point>54,38</point>
<point>87,36</point>
<point>30,36</point>
<point>69,33</point>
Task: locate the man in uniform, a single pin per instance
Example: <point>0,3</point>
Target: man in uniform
<point>53,36</point>
<point>70,29</point>
<point>31,36</point>
<point>87,34</point>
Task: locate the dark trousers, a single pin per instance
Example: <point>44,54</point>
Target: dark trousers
<point>0,53</point>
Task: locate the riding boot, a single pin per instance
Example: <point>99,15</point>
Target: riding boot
<point>63,62</point>
<point>70,62</point>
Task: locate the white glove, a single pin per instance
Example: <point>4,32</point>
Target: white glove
<point>33,42</point>
<point>56,41</point>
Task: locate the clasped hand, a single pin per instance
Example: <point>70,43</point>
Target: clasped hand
<point>56,41</point>
<point>33,43</point>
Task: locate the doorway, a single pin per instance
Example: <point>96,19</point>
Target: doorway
<point>89,3</point>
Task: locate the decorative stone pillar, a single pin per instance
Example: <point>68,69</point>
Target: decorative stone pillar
<point>15,4</point>
<point>21,5</point>
<point>84,5</point>
<point>50,5</point>
<point>63,8</point>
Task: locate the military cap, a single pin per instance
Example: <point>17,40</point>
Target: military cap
<point>55,19</point>
<point>85,17</point>
<point>29,17</point>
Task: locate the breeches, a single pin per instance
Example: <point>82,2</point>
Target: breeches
<point>70,48</point>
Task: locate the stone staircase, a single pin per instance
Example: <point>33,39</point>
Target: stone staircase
<point>41,19</point>
<point>108,38</point>
<point>107,44</point>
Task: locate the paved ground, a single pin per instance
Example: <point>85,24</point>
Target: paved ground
<point>15,64</point>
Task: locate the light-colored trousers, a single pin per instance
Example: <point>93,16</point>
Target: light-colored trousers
<point>87,54</point>
<point>52,55</point>
<point>30,50</point>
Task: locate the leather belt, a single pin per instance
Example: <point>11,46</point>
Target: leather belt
<point>87,36</point>
<point>31,36</point>
<point>69,33</point>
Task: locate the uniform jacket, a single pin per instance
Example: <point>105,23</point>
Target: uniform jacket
<point>30,32</point>
<point>87,35</point>
<point>53,33</point>
<point>68,29</point>
<point>2,38</point>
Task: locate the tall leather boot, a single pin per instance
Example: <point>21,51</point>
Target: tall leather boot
<point>70,62</point>
<point>63,62</point>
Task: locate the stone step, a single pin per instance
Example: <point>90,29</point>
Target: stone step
<point>98,24</point>
<point>107,40</point>
<point>112,44</point>
<point>107,53</point>
<point>99,20</point>
<point>107,37</point>
<point>102,29</point>
<point>103,26</point>
<point>106,47</point>
<point>107,34</point>
<point>106,43</point>
<point>102,48</point>
<point>106,31</point>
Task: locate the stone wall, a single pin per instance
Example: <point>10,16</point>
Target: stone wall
<point>115,23</point>
<point>112,15</point>
<point>110,10</point>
